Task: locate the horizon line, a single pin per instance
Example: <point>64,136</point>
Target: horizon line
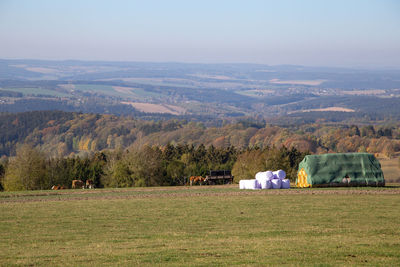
<point>210,63</point>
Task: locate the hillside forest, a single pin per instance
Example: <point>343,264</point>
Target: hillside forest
<point>44,148</point>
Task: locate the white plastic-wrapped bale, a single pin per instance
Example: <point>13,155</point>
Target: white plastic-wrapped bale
<point>279,174</point>
<point>263,176</point>
<point>269,184</point>
<point>269,175</point>
<point>285,184</point>
<point>249,184</point>
<point>242,184</point>
<point>262,179</point>
<point>258,184</point>
<point>253,184</point>
<point>265,184</point>
<point>258,175</point>
<point>276,183</point>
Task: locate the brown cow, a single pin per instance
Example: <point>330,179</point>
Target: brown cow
<point>89,184</point>
<point>78,184</point>
<point>58,187</point>
<point>196,179</point>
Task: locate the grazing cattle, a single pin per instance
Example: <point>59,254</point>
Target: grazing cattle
<point>89,184</point>
<point>58,187</point>
<point>196,179</point>
<point>78,184</point>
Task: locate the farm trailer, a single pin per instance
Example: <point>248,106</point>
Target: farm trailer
<point>218,177</point>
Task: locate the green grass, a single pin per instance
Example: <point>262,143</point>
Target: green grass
<point>104,89</point>
<point>109,90</point>
<point>201,226</point>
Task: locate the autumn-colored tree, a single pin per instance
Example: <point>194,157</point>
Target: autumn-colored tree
<point>146,166</point>
<point>26,171</point>
<point>176,172</point>
<point>248,164</point>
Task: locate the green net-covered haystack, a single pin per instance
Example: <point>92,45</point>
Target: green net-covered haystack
<point>340,169</point>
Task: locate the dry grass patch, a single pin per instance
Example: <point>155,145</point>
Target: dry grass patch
<point>390,168</point>
<point>298,82</point>
<point>364,92</point>
<point>339,109</point>
<point>156,108</point>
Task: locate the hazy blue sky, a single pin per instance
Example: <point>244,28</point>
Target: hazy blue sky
<point>308,32</point>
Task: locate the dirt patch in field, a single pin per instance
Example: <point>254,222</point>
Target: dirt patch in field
<point>67,86</point>
<point>185,192</point>
<point>364,92</point>
<point>215,77</point>
<point>124,90</point>
<point>156,108</point>
<point>298,82</point>
<point>339,109</point>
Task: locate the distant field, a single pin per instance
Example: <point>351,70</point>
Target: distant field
<point>364,92</point>
<point>122,91</point>
<point>326,109</point>
<point>215,77</point>
<point>298,82</point>
<point>201,226</point>
<point>161,82</point>
<point>105,89</point>
<point>36,91</point>
<point>43,70</point>
<point>256,92</point>
<point>156,108</point>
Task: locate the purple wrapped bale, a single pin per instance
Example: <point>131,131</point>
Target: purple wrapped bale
<point>265,184</point>
<point>269,175</point>
<point>276,183</point>
<point>249,184</point>
<point>285,184</point>
<point>279,174</point>
<point>259,175</point>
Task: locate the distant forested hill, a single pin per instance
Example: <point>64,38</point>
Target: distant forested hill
<point>64,133</point>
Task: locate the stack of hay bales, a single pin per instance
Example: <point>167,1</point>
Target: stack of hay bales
<point>267,180</point>
<point>248,184</point>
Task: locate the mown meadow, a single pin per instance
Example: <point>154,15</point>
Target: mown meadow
<point>200,226</point>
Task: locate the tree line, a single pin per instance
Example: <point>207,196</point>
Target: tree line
<point>65,134</point>
<point>170,165</point>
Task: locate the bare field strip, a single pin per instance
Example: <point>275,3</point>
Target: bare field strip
<point>124,90</point>
<point>298,82</point>
<point>365,92</point>
<point>339,109</point>
<point>156,108</point>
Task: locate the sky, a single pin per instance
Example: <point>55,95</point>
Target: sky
<point>348,33</point>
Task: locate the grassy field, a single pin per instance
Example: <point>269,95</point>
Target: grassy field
<point>201,226</point>
<point>115,91</point>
